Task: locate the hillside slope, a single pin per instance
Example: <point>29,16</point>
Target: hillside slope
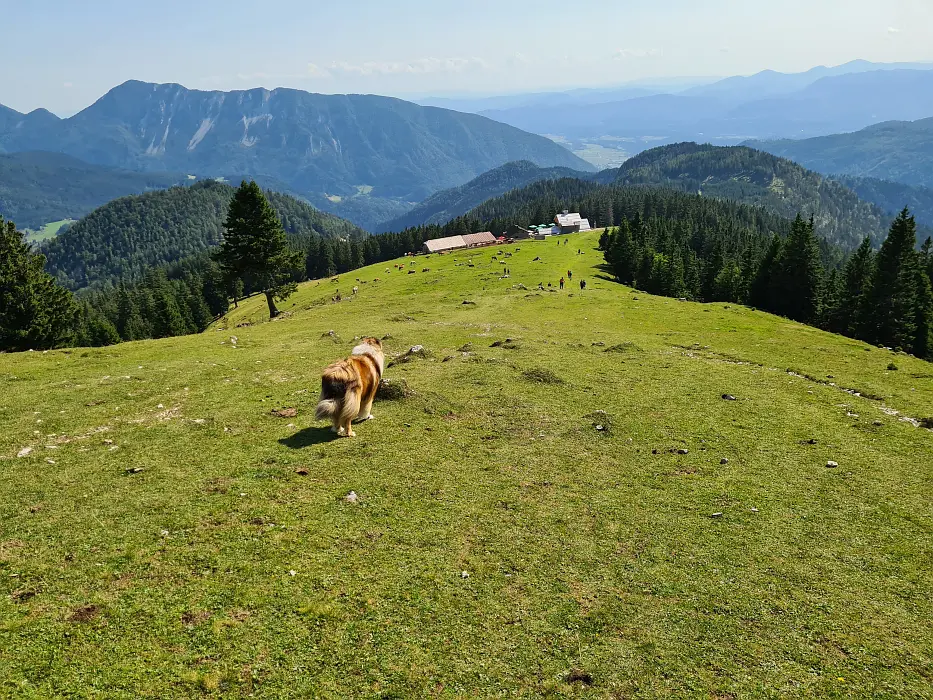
<point>317,144</point>
<point>891,197</point>
<point>898,151</point>
<point>39,187</point>
<point>445,205</point>
<point>754,177</point>
<point>499,543</point>
<point>124,237</point>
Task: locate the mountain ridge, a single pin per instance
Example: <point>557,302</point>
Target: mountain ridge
<point>330,145</point>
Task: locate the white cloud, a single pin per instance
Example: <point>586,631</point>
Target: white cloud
<point>315,71</point>
<point>623,54</point>
<point>893,30</point>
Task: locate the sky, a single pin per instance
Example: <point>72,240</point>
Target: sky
<point>64,54</point>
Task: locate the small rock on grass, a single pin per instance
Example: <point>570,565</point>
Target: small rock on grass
<point>724,460</point>
<point>24,452</point>
<point>831,464</point>
<point>285,412</point>
<point>351,497</point>
<point>716,515</point>
<point>728,397</point>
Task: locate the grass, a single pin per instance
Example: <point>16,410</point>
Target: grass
<point>47,232</point>
<point>500,544</point>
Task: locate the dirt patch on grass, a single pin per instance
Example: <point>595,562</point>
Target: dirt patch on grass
<point>393,390</point>
<point>85,613</point>
<point>540,375</point>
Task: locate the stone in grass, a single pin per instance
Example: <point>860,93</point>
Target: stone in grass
<point>24,452</point>
<point>416,352</point>
<point>285,412</point>
<point>351,497</point>
<point>393,390</point>
<point>831,464</point>
<point>724,461</point>
<point>728,397</point>
<point>507,344</point>
<point>601,422</point>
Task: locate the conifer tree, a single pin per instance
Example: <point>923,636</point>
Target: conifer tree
<point>762,291</point>
<point>856,276</point>
<point>800,273</point>
<point>891,300</point>
<point>35,313</point>
<point>255,248</point>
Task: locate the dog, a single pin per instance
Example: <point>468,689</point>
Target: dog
<point>348,387</point>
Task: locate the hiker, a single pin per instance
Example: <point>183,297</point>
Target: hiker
<point>569,275</point>
<point>582,285</point>
<point>566,242</point>
<point>561,282</point>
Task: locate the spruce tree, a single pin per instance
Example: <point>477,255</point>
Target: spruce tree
<point>255,248</point>
<point>762,292</point>
<point>923,315</point>
<point>891,302</point>
<point>856,277</point>
<point>35,312</point>
<point>800,273</point>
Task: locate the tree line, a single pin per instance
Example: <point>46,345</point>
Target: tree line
<point>883,298</point>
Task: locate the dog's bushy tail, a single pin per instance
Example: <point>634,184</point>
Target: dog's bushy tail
<point>340,394</point>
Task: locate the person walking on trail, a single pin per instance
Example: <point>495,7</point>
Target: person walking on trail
<point>582,285</point>
<point>569,275</point>
<point>561,282</point>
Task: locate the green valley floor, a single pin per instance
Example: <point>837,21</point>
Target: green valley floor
<point>564,504</point>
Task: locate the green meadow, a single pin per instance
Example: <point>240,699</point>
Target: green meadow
<point>562,503</point>
<point>47,232</point>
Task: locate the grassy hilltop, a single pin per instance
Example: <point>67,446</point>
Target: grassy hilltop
<point>165,535</point>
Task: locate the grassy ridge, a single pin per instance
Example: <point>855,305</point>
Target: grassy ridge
<point>595,562</point>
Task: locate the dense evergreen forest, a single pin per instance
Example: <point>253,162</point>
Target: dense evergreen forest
<point>754,177</point>
<point>130,235</point>
<point>883,298</point>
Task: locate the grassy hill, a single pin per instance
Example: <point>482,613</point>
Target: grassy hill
<point>901,151</point>
<point>186,540</point>
<point>37,188</point>
<point>754,177</point>
<point>448,204</point>
<point>125,237</point>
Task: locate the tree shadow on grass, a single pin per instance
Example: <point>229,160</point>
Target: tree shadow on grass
<point>309,437</point>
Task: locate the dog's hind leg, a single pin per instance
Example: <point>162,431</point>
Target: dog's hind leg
<point>351,408</point>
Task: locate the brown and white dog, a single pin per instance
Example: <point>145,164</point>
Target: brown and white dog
<point>348,387</point>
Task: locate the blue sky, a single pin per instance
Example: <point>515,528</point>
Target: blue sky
<point>64,54</point>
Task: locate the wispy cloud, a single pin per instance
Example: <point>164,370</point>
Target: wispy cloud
<point>893,30</point>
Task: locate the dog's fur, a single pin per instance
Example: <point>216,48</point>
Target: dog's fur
<point>348,387</point>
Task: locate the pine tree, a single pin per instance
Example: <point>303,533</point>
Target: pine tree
<point>800,273</point>
<point>923,315</point>
<point>35,313</point>
<point>762,292</point>
<point>891,301</point>
<point>130,324</point>
<point>255,248</point>
<point>856,277</point>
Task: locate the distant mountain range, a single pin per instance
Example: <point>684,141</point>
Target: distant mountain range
<point>324,147</point>
<point>897,151</point>
<point>445,205</point>
<point>735,111</point>
<point>37,188</point>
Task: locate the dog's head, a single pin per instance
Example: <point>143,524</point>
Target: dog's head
<point>375,342</point>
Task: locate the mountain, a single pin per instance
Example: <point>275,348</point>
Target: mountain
<point>770,83</point>
<point>38,187</point>
<point>830,104</point>
<point>125,237</point>
<point>443,206</point>
<point>337,145</point>
<point>754,177</point>
<point>891,197</point>
<point>899,151</point>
